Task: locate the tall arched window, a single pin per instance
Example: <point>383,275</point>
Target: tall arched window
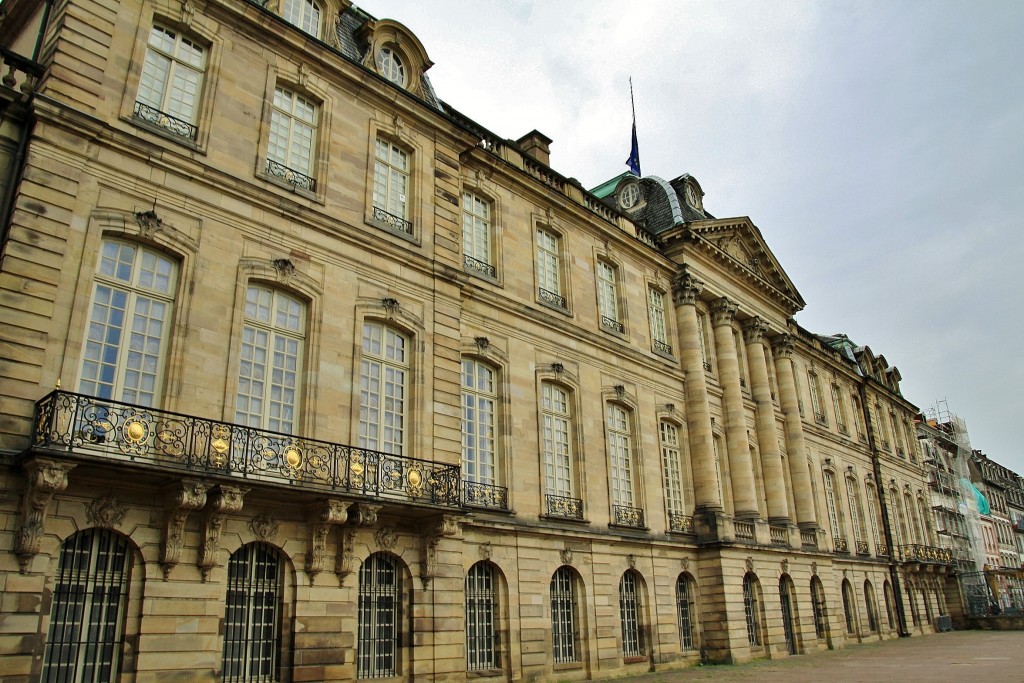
<point>887,594</point>
<point>686,612</point>
<point>819,608</point>
<point>87,614</point>
<point>849,608</point>
<point>630,615</point>
<point>564,630</point>
<point>479,408</point>
<point>481,618</point>
<point>556,449</point>
<point>129,324</point>
<point>383,389</point>
<point>252,615</point>
<point>786,604</point>
<point>379,617</point>
<point>869,605</point>
<point>752,608</point>
<point>270,365</point>
<point>620,462</point>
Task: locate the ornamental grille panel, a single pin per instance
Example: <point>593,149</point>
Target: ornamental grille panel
<point>88,611</point>
<point>787,616</point>
<point>563,617</point>
<point>629,611</point>
<point>481,614</point>
<point>252,616</point>
<point>750,610</point>
<point>819,609</point>
<point>379,590</point>
<point>684,610</point>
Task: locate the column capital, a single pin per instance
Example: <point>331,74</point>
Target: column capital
<point>782,346</point>
<point>723,311</point>
<point>754,330</point>
<point>685,289</point>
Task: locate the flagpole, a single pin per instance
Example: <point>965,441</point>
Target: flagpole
<point>633,162</point>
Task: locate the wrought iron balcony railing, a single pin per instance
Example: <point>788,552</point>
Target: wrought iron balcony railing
<point>552,298</point>
<point>164,120</point>
<point>821,419</point>
<point>707,366</point>
<point>840,545</point>
<point>290,175</point>
<point>662,347</point>
<point>612,324</point>
<point>563,506</point>
<point>882,550</point>
<point>626,515</point>
<point>680,522</point>
<point>479,266</point>
<point>862,547</point>
<point>392,221</point>
<point>116,431</point>
<point>485,495</point>
<point>927,554</point>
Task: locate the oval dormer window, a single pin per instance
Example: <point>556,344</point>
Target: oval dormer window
<point>390,66</point>
<point>629,196</point>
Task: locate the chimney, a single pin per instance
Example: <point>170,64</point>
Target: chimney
<point>537,145</point>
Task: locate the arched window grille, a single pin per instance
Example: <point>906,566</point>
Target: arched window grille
<point>752,608</point>
<point>684,606</point>
<point>819,608</point>
<point>869,604</point>
<point>87,614</point>
<point>563,617</point>
<point>848,607</point>
<point>252,616</point>
<point>481,618</point>
<point>379,614</point>
<point>629,613</point>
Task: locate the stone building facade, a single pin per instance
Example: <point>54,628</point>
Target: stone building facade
<point>309,377</point>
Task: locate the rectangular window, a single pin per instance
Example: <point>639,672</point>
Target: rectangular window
<point>293,121</point>
<point>479,397</point>
<point>608,297</point>
<point>304,14</point>
<point>833,512</point>
<point>481,618</point>
<point>391,186</point>
<point>705,343</point>
<point>383,386</point>
<point>563,617</point>
<point>858,417</point>
<point>129,324</point>
<point>741,358</point>
<point>477,248</point>
<point>839,408</point>
<point>656,312</point>
<point>619,454</point>
<point>672,468</point>
<point>549,267</point>
<point>858,521</point>
<point>269,368</point>
<point>172,78</point>
<point>555,435</point>
<point>816,403</point>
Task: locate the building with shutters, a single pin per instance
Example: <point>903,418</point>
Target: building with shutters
<point>309,376</point>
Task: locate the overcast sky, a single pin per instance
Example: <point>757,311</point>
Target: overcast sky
<point>877,145</point>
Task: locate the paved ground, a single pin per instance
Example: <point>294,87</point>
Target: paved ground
<point>958,657</point>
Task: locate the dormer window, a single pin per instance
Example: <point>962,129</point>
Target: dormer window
<point>629,196</point>
<point>305,14</point>
<point>390,66</point>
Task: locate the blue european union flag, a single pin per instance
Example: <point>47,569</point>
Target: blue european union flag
<point>634,156</point>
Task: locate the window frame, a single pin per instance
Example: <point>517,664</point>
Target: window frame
<point>253,591</point>
<point>483,226</point>
<point>481,395</point>
<point>160,119</point>
<point>624,489</point>
<point>483,643</point>
<point>307,12</point>
<point>380,360</point>
<point>658,320</point>
<point>134,292</point>
<point>370,590</point>
<point>383,196</point>
<point>283,169</point>
<point>565,630</point>
<point>686,612</point>
<point>610,307</point>
<point>550,269</point>
<point>631,609</point>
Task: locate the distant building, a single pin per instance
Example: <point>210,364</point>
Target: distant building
<point>308,376</point>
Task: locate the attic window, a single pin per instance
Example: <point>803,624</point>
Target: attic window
<point>390,66</point>
<point>629,196</point>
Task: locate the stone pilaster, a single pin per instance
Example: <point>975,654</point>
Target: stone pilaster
<point>767,441</point>
<point>685,290</point>
<point>744,493</point>
<point>782,347</point>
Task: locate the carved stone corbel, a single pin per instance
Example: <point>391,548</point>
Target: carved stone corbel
<point>184,497</point>
<point>345,563</point>
<point>225,500</point>
<point>446,527</point>
<point>364,514</point>
<point>322,516</point>
<point>46,478</point>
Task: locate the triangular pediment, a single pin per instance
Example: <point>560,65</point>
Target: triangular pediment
<point>738,242</point>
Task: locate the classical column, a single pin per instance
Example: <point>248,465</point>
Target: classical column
<point>744,493</point>
<point>767,440</point>
<point>782,346</point>
<point>685,289</point>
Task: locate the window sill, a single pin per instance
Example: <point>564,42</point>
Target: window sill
<point>187,142</point>
<point>662,354</point>
<point>493,279</point>
<point>485,673</point>
<point>569,520</point>
<point>554,307</point>
<point>567,666</point>
<point>392,230</point>
<point>614,332</point>
<point>635,660</point>
<point>292,188</point>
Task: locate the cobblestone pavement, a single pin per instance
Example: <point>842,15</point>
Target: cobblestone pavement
<point>958,657</point>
